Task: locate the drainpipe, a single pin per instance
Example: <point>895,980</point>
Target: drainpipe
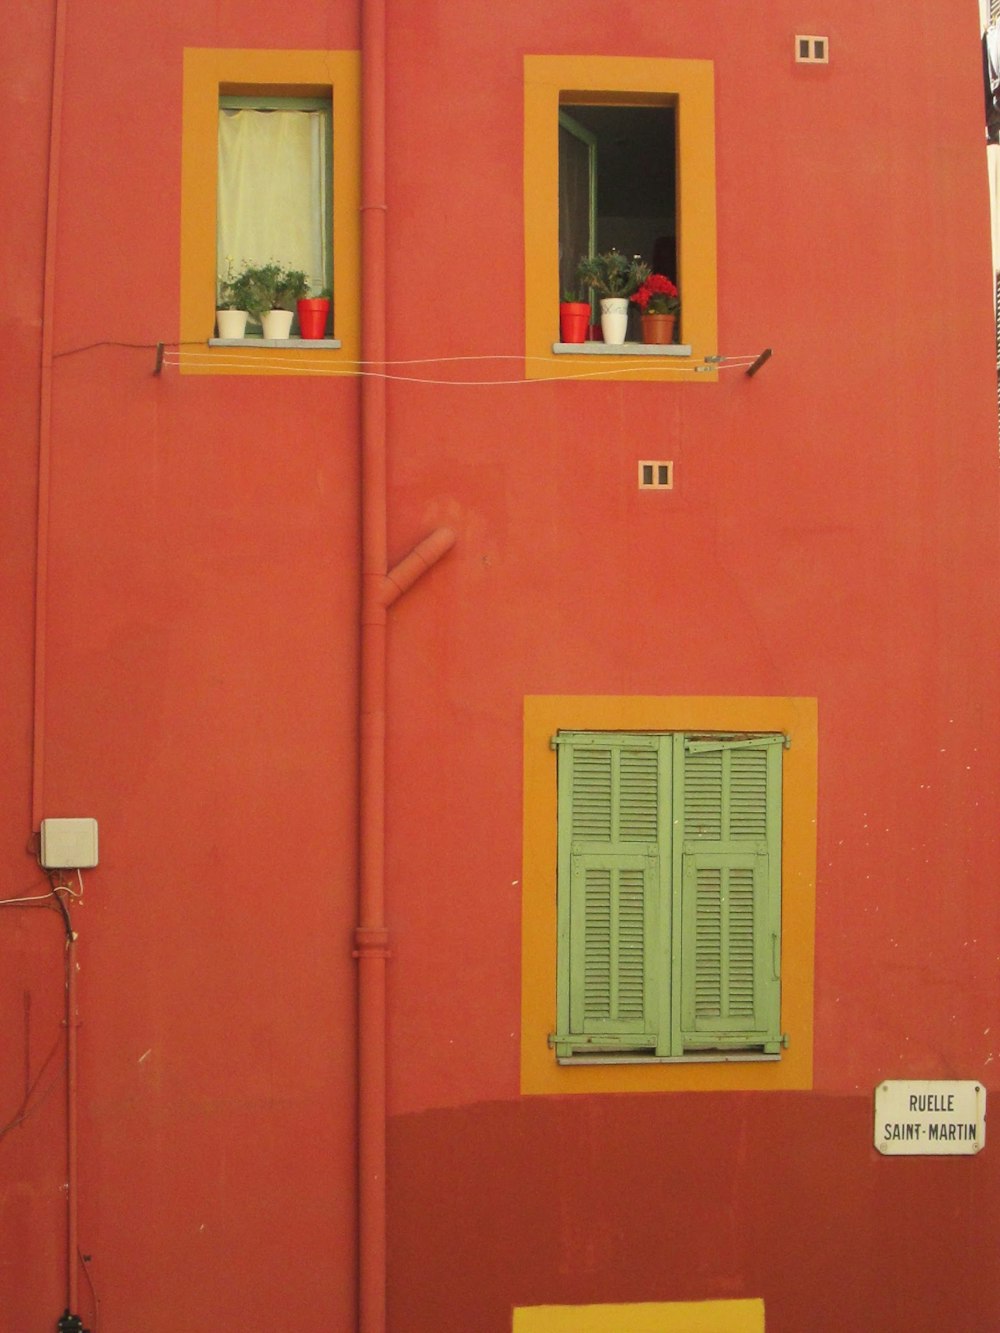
<point>371,937</point>
<point>41,623</point>
<point>72,1023</point>
<point>379,589</point>
<point>45,414</point>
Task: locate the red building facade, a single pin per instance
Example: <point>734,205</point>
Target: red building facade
<point>311,754</point>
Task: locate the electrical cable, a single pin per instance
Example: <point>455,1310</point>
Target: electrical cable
<point>146,347</point>
<point>85,1264</point>
<point>55,900</point>
<point>28,1108</point>
<point>27,899</point>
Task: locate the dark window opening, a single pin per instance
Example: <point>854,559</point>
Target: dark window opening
<point>617,185</point>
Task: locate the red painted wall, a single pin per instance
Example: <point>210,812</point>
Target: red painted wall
<point>832,534</point>
<point>200,703</point>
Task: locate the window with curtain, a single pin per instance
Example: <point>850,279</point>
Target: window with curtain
<point>274,185</point>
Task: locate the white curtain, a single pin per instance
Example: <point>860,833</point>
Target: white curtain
<point>993,166</point>
<point>272,188</point>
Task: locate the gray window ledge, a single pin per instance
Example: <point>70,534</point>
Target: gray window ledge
<point>297,343</point>
<point>621,349</point>
<point>743,1057</point>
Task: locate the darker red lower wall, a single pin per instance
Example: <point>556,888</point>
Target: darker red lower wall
<point>621,1199</point>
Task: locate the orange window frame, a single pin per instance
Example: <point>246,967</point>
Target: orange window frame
<point>207,72</point>
<point>544,715</point>
<point>690,86</point>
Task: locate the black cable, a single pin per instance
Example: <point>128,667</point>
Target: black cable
<point>89,347</point>
<point>62,906</point>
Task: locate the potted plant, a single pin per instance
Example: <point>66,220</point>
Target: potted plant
<point>231,310</point>
<point>288,285</point>
<point>574,318</point>
<point>313,314</point>
<point>615,278</point>
<point>658,300</point>
<point>269,292</point>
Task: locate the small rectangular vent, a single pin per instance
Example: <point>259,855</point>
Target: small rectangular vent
<point>812,50</point>
<point>655,475</point>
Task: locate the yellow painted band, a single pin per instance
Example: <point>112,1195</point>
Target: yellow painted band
<point>745,1316</point>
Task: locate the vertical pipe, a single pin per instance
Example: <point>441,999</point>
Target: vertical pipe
<point>41,611</point>
<point>371,935</point>
<point>72,1242</point>
<point>45,414</point>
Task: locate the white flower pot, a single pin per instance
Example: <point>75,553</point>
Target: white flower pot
<point>614,318</point>
<point>232,323</point>
<point>276,323</point>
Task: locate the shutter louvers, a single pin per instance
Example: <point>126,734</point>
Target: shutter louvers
<point>730,903</point>
<point>591,817</point>
<point>725,893</point>
<point>703,796</point>
<point>609,845</point>
<point>748,792</point>
<point>669,894</point>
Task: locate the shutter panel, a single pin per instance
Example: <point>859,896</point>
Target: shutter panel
<point>609,818</point>
<point>609,945</point>
<point>725,961</point>
<point>730,894</point>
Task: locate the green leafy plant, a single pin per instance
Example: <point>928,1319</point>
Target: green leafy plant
<point>232,291</point>
<point>291,285</point>
<point>612,273</point>
<point>258,288</point>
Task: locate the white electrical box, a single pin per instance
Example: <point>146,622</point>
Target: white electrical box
<point>69,844</point>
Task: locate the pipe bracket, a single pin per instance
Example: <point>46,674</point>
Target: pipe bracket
<point>371,942</point>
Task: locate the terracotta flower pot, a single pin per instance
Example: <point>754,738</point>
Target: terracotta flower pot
<point>658,328</point>
<point>574,317</point>
<point>313,314</point>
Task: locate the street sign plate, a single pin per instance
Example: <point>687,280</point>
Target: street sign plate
<point>930,1117</point>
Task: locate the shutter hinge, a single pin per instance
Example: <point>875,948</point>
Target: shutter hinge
<point>706,744</point>
<point>786,1040</point>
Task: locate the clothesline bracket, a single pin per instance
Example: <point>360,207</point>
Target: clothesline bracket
<point>159,359</point>
<point>764,356</point>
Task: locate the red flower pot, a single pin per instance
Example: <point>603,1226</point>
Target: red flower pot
<point>313,314</point>
<point>574,316</point>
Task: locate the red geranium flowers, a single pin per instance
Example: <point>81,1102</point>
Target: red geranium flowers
<point>657,296</point>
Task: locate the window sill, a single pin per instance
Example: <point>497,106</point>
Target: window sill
<point>741,1057</point>
<point>298,343</point>
<point>621,349</point>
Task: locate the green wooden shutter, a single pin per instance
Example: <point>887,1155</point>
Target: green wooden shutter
<point>729,801</point>
<point>611,803</point>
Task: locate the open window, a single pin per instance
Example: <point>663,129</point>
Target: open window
<point>619,153</point>
<point>617,182</point>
